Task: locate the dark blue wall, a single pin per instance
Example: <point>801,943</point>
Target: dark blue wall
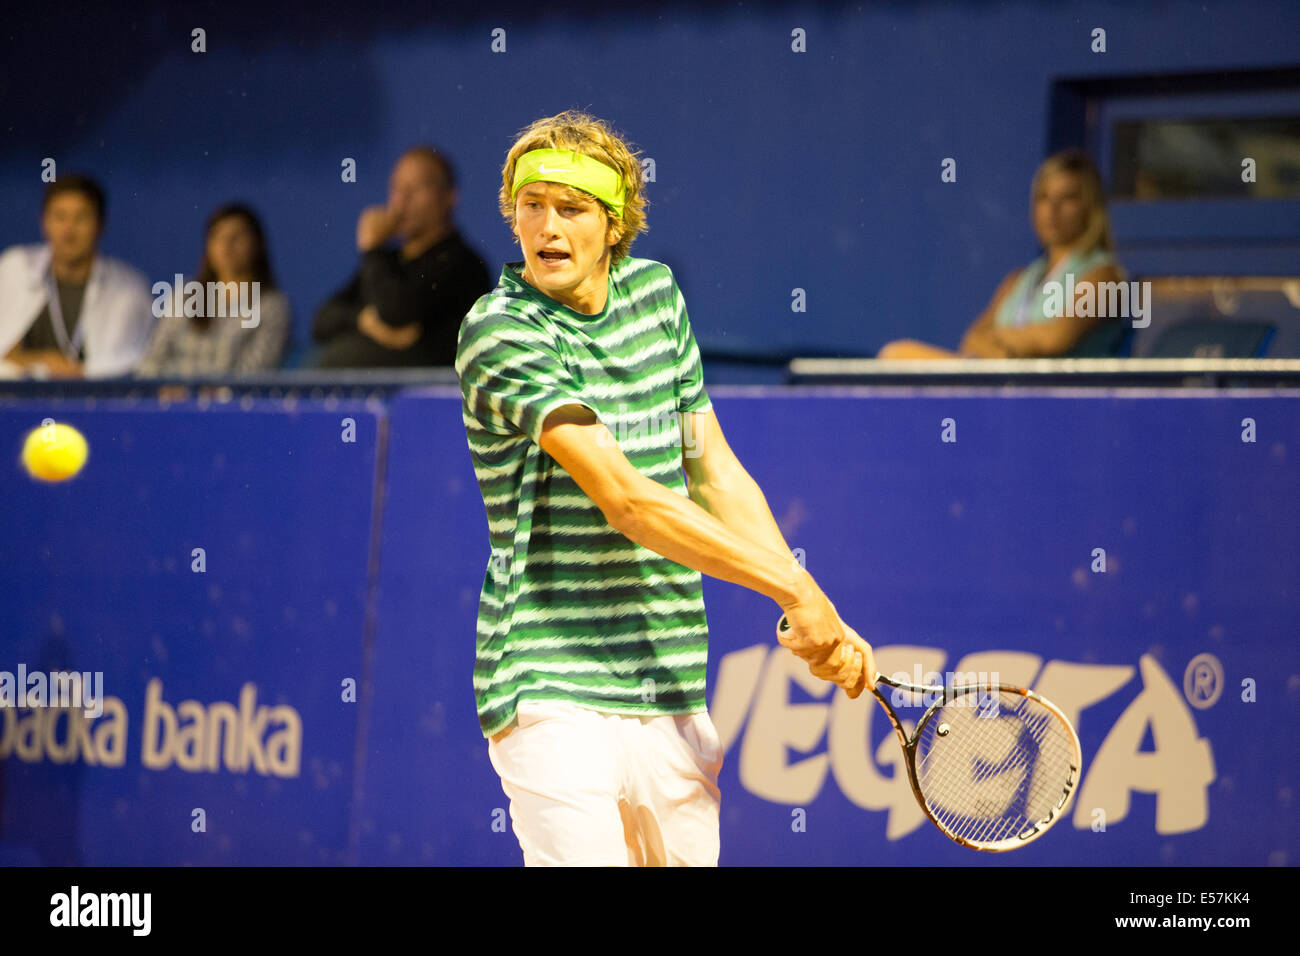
<point>775,170</point>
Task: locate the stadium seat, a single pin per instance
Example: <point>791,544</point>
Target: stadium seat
<point>1212,338</point>
<point>1107,340</point>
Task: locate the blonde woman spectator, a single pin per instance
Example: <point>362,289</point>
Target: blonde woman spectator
<point>1068,212</point>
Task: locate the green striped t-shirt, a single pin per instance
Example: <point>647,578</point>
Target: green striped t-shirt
<point>571,609</point>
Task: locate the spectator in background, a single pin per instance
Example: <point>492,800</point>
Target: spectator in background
<point>234,251</point>
<point>404,306</point>
<point>65,310</point>
<point>1068,212</point>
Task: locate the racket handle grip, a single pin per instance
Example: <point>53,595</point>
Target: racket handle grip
<point>783,625</point>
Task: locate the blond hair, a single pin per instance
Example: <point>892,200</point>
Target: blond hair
<point>591,137</point>
<point>1097,233</point>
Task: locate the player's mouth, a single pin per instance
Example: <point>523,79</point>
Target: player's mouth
<point>552,257</point>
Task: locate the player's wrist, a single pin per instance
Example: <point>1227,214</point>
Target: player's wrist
<point>799,588</point>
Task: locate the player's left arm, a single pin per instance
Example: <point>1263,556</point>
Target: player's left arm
<point>718,483</point>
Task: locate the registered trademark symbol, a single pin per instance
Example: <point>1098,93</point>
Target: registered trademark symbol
<point>1203,681</point>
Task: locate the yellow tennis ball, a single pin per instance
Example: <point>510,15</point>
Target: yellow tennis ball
<point>54,452</point>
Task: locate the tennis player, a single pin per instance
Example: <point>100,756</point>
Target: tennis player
<point>583,404</point>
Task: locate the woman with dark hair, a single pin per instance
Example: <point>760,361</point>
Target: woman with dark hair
<point>1024,319</point>
<point>193,339</point>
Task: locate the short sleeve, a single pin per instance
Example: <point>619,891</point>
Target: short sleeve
<point>511,376</point>
<point>691,394</point>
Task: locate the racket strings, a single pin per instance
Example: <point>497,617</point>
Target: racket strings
<point>994,769</point>
<point>977,785</point>
<point>1009,780</point>
<point>997,785</point>
<point>997,813</point>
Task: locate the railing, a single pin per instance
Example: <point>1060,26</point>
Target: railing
<point>1164,373</point>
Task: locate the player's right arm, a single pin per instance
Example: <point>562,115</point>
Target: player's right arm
<point>667,523</point>
<point>651,515</point>
<point>514,381</point>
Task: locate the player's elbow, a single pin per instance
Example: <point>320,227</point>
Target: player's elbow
<point>621,513</point>
<point>630,508</point>
<point>610,491</point>
<point>613,502</point>
<point>583,449</point>
<point>630,501</point>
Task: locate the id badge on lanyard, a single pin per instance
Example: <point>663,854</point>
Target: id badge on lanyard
<point>71,348</point>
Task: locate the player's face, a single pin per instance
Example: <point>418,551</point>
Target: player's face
<point>231,248</point>
<point>565,238</point>
<point>1060,210</point>
<point>71,226</point>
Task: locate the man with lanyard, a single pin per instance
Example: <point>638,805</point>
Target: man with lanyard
<point>65,310</point>
<point>583,404</point>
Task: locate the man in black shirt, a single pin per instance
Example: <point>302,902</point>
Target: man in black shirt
<point>404,306</point>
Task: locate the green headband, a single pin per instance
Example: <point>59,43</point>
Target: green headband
<point>573,169</point>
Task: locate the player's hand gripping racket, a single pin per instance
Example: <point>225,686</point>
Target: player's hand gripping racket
<point>992,766</point>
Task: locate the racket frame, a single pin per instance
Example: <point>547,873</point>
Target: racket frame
<point>946,694</point>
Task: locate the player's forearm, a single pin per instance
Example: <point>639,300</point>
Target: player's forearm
<point>682,531</point>
<point>737,501</point>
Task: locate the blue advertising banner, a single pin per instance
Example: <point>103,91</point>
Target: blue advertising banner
<point>430,795</point>
<point>295,663</point>
<point>207,571</point>
<point>1132,556</point>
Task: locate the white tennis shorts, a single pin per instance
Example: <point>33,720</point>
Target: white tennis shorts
<point>588,788</point>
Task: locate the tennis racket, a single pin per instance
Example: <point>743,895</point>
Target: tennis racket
<point>992,766</point>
